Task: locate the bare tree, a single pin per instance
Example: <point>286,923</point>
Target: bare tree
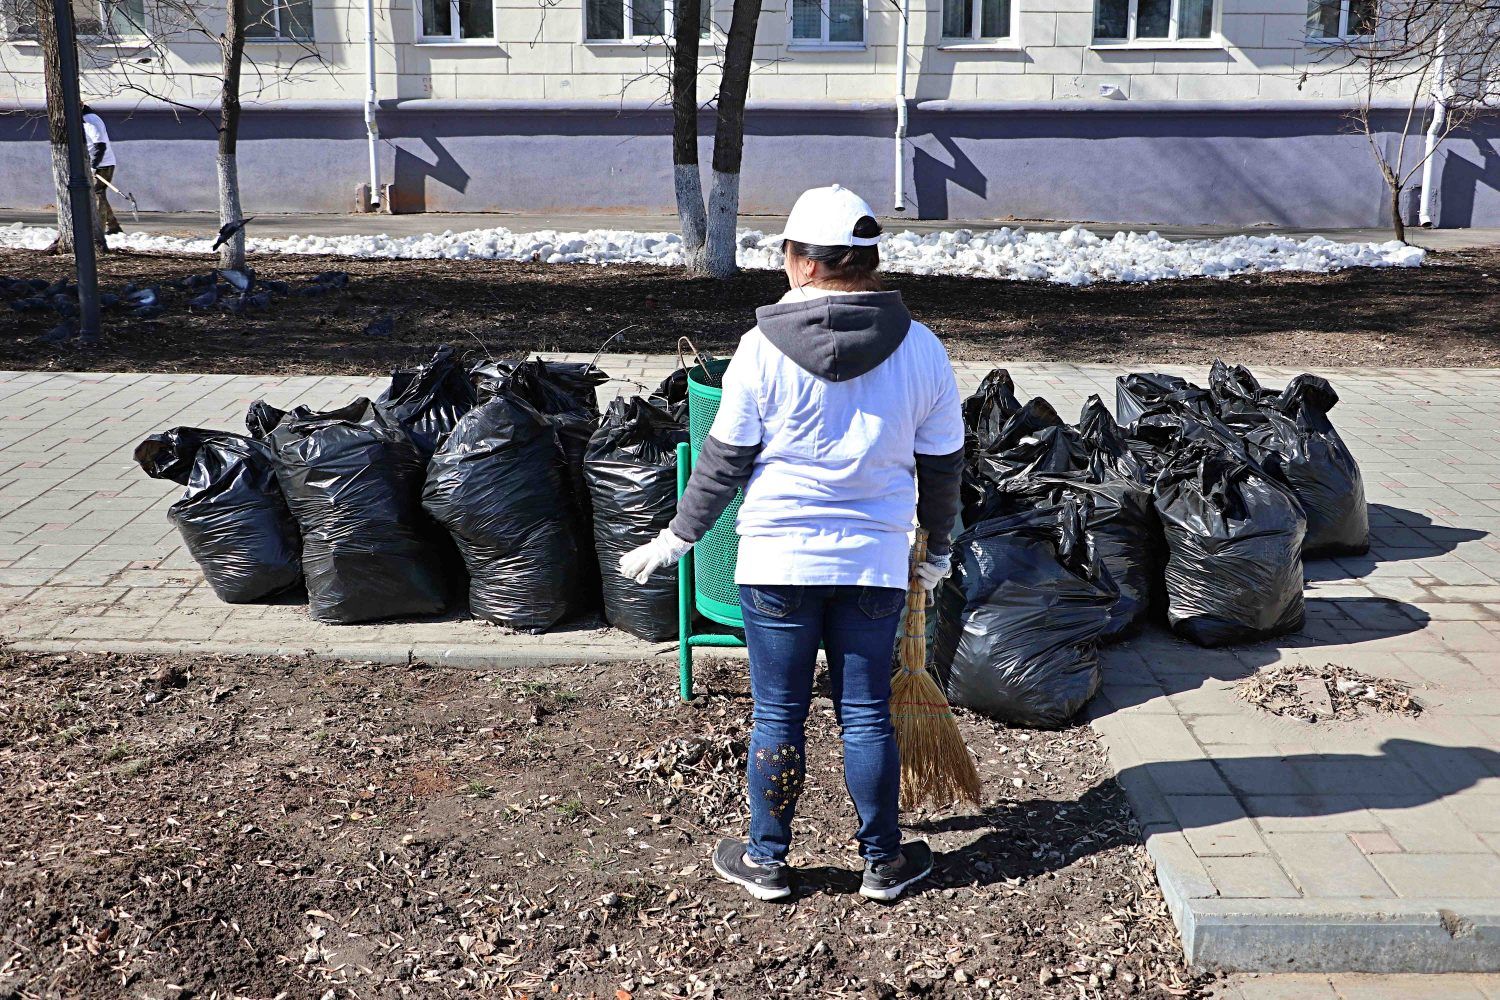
<point>232,46</point>
<point>44,23</point>
<point>710,237</point>
<point>687,179</point>
<point>1444,53</point>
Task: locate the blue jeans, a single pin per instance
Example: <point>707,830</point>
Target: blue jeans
<point>784,626</point>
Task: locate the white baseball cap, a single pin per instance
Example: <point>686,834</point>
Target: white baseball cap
<point>826,217</point>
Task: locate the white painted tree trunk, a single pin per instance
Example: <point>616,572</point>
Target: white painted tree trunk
<point>232,253</point>
<point>64,242</point>
<point>688,184</point>
<point>723,217</point>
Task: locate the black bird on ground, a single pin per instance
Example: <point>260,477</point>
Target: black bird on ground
<point>227,231</point>
<point>58,334</point>
<point>143,297</point>
<point>332,279</point>
<point>206,300</point>
<point>382,326</point>
<point>241,280</point>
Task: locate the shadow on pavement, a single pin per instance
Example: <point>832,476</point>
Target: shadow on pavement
<point>1182,795</point>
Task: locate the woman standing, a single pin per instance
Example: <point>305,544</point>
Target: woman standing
<point>840,420</point>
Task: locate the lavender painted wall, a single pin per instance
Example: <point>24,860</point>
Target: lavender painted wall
<point>1149,163</point>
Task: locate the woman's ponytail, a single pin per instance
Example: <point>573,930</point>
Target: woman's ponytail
<point>846,268</point>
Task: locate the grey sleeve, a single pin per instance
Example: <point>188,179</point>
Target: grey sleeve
<point>938,479</point>
<point>720,471</point>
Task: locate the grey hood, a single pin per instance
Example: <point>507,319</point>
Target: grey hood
<point>837,337</point>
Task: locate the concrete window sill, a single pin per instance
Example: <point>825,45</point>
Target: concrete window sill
<point>999,46</point>
<point>458,43</point>
<point>1162,45</point>
<point>826,47</point>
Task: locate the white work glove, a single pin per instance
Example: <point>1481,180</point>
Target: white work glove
<point>664,550</point>
<point>932,570</point>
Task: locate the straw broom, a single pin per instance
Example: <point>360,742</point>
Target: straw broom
<point>936,768</point>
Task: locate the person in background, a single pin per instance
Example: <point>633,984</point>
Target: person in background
<point>102,158</point>
<point>841,421</point>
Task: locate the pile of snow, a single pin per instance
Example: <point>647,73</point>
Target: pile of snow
<point>1074,256</point>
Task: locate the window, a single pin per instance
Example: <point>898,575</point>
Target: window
<point>1153,20</point>
<point>91,18</point>
<point>1340,18</point>
<point>636,20</point>
<point>976,20</point>
<point>828,22</point>
<point>275,20</point>
<point>456,20</point>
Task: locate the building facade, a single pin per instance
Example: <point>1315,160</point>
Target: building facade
<point>1138,111</point>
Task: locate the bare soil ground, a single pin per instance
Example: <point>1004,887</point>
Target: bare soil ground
<point>1443,314</point>
<point>221,827</point>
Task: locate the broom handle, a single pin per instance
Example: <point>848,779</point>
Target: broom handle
<point>914,624</point>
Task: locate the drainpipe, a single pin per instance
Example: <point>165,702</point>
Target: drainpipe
<point>904,32</point>
<point>372,130</point>
<point>1434,131</point>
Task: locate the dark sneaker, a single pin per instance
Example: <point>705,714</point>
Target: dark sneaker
<point>887,880</point>
<point>760,881</point>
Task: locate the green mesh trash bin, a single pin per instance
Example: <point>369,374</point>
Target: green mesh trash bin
<point>716,554</point>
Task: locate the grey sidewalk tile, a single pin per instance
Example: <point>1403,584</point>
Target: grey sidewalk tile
<point>1358,775</point>
<point>1424,825</point>
<point>1216,825</point>
<point>1288,987</point>
<point>1250,877</point>
<point>1349,986</point>
<point>1432,874</point>
<point>1178,868</point>
<point>1327,865</point>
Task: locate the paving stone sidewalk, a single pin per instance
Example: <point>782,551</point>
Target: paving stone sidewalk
<point>1371,845</point>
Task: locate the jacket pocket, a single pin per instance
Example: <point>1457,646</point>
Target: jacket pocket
<point>881,602</point>
<point>776,602</point>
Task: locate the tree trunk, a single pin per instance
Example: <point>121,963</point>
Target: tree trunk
<point>232,253</point>
<point>1397,222</point>
<point>57,131</point>
<point>686,178</point>
<point>729,139</point>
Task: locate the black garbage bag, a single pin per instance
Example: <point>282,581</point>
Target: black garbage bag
<point>1139,393</point>
<point>353,480</point>
<point>495,484</point>
<point>1290,435</point>
<point>631,468</point>
<point>672,392</point>
<point>261,419</point>
<point>1032,439</point>
<point>1109,450</point>
<point>988,409</point>
<point>1234,548</point>
<point>1021,617</point>
<point>233,518</point>
<point>429,399</point>
<point>565,393</point>
<point>1120,526</point>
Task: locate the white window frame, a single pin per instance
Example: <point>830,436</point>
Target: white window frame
<point>10,31</point>
<point>974,40</point>
<point>1213,40</point>
<point>1343,35</point>
<point>822,42</point>
<point>281,37</point>
<point>630,37</point>
<point>455,37</point>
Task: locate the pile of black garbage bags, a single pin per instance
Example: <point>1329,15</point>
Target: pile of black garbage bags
<point>503,479</point>
<point>1196,505</point>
